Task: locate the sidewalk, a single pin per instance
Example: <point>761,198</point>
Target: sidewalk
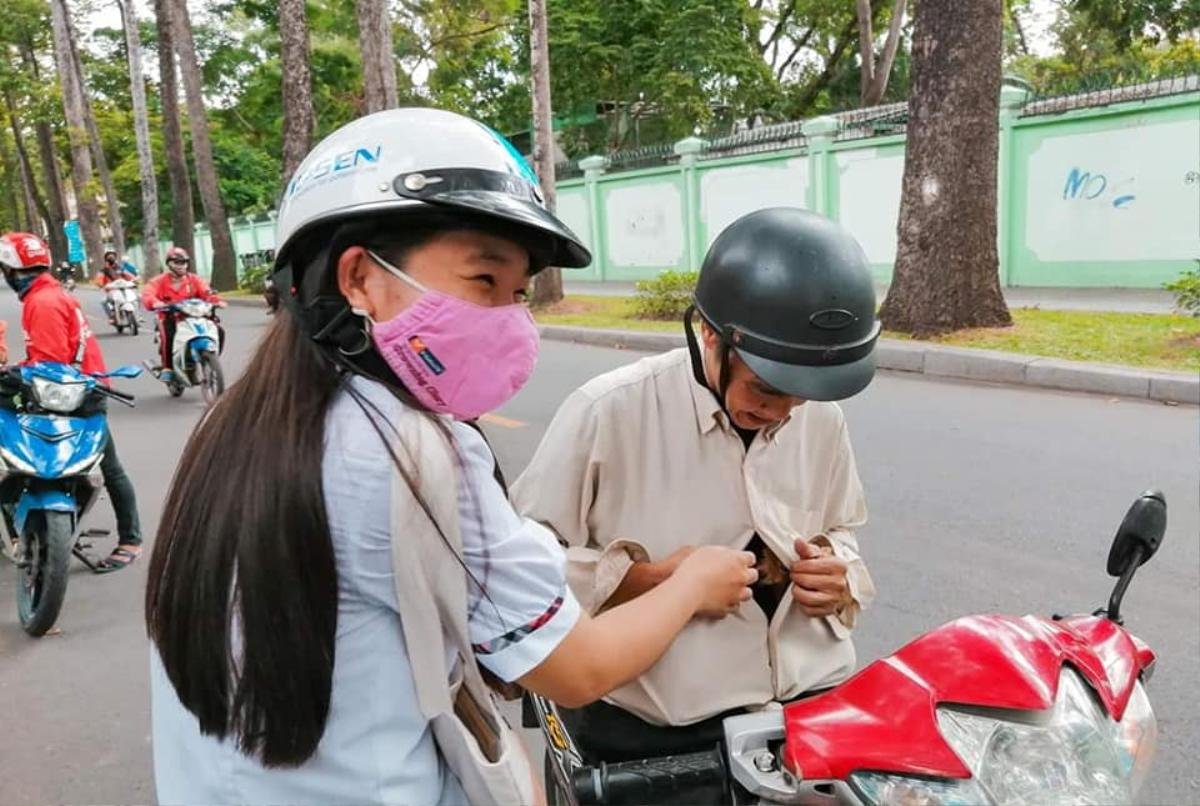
<point>1124,300</point>
<point>923,358</point>
<point>936,360</point>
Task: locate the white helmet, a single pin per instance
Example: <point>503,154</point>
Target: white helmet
<point>419,159</point>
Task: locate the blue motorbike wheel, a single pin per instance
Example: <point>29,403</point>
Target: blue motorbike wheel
<point>42,583</point>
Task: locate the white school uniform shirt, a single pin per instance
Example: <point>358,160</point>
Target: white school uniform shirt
<point>377,748</point>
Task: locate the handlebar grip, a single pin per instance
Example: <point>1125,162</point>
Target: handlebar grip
<point>113,393</point>
<point>652,780</point>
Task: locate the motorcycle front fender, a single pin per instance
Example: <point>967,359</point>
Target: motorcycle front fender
<point>203,344</point>
<point>33,500</point>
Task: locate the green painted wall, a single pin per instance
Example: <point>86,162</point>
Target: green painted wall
<point>1096,197</point>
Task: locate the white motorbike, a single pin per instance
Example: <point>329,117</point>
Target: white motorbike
<point>194,351</point>
<point>121,303</point>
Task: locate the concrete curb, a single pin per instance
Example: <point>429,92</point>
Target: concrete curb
<point>247,302</point>
<point>955,362</point>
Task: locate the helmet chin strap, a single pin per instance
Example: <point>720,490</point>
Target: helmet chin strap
<point>697,357</point>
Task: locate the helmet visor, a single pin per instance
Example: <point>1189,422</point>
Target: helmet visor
<point>829,382</point>
<point>500,196</point>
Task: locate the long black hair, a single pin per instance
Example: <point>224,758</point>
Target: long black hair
<point>243,549</point>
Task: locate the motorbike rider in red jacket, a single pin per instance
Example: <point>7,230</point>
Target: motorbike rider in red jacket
<point>174,285</point>
<point>57,330</point>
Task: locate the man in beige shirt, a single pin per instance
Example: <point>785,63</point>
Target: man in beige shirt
<point>734,442</point>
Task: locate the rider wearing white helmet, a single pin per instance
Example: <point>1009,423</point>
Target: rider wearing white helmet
<point>336,551</point>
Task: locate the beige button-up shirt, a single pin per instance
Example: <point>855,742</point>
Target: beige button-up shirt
<point>642,461</point>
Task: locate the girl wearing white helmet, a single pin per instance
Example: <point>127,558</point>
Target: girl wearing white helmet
<point>338,568</point>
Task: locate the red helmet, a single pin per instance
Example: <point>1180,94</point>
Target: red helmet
<point>177,253</point>
<point>21,251</point>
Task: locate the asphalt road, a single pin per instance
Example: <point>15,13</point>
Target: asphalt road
<point>983,499</point>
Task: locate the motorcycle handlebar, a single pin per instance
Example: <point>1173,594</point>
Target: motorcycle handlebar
<point>651,780</point>
<point>115,395</point>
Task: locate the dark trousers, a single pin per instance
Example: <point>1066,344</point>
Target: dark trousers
<point>610,734</point>
<point>120,491</point>
<point>166,342</point>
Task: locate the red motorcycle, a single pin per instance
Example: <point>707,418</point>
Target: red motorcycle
<point>992,710</point>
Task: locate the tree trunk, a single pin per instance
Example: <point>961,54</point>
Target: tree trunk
<point>35,205</point>
<point>224,265</point>
<point>39,214</point>
<point>13,185</point>
<point>883,67</point>
<point>947,268</point>
<point>81,158</point>
<point>298,117</point>
<point>876,72</point>
<point>547,288</point>
<point>97,146</point>
<point>56,199</point>
<point>378,61</point>
<point>141,129</point>
<point>818,84</point>
<point>183,217</point>
<point>866,48</point>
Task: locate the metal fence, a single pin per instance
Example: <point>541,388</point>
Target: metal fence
<point>1049,102</point>
<point>644,157</point>
<point>875,121</point>
<point>772,137</point>
<point>567,170</point>
<point>891,119</point>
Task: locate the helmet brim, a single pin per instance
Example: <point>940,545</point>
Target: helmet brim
<point>822,383</point>
<point>567,251</point>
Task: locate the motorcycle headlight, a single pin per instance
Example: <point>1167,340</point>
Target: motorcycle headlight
<point>1071,754</point>
<point>61,397</point>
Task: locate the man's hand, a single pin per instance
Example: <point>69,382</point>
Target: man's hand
<point>644,576</point>
<point>819,583</point>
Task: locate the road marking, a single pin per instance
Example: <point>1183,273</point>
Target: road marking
<point>503,422</point>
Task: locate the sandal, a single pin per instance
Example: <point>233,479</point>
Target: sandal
<point>120,558</point>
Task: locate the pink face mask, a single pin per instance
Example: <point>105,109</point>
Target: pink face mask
<point>457,357</point>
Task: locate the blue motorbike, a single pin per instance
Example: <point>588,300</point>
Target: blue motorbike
<point>52,437</point>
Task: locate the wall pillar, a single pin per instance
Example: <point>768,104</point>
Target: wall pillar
<point>593,168</point>
<point>689,150</point>
<point>1012,99</point>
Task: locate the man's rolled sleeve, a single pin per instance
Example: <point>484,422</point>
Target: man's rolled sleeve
<point>595,574</point>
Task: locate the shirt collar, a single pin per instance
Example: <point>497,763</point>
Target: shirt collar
<point>708,411</point>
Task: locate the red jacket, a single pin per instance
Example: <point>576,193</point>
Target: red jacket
<point>163,291</point>
<point>104,278</point>
<point>56,328</point>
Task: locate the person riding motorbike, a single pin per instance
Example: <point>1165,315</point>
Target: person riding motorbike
<point>734,441</point>
<point>175,285</point>
<point>406,240</point>
<point>110,271</point>
<point>56,329</point>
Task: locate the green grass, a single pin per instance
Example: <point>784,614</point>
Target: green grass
<point>1130,339</point>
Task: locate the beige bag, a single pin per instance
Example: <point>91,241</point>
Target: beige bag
<point>474,738</point>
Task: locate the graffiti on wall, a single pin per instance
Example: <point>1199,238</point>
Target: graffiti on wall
<point>1086,185</point>
<point>1104,197</point>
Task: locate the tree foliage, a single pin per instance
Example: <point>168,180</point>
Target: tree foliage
<point>624,72</point>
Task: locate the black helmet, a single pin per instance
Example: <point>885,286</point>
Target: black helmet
<point>791,293</point>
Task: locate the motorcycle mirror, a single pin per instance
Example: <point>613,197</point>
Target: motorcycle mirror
<point>127,371</point>
<point>1143,529</point>
<point>1136,541</point>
